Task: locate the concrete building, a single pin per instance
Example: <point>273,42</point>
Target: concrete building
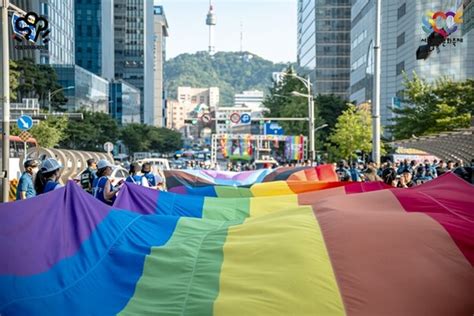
<point>223,114</point>
<point>85,90</point>
<point>133,32</point>
<point>156,114</point>
<point>125,102</point>
<point>195,96</point>
<point>94,35</point>
<point>252,99</point>
<point>402,34</point>
<point>324,29</point>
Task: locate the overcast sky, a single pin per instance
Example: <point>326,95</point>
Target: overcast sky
<point>269,27</point>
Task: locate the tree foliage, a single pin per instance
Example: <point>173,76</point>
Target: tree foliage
<point>353,132</point>
<point>140,137</point>
<point>231,72</point>
<point>14,77</point>
<point>36,81</point>
<point>433,107</point>
<point>282,103</point>
<point>91,133</point>
<point>48,133</point>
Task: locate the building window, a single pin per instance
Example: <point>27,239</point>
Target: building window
<point>401,39</point>
<point>402,10</point>
<point>400,68</point>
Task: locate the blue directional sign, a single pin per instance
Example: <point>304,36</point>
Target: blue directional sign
<point>273,129</point>
<point>25,122</point>
<point>245,118</point>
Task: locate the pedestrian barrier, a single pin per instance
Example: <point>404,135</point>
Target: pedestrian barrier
<point>13,188</point>
<point>74,161</point>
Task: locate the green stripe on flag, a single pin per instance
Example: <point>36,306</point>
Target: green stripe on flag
<point>226,209</point>
<point>182,277</point>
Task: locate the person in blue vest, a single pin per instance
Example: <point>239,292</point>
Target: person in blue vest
<point>47,178</point>
<point>135,175</point>
<point>102,187</point>
<point>148,174</point>
<point>26,188</point>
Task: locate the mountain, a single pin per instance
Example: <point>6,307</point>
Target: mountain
<point>232,72</point>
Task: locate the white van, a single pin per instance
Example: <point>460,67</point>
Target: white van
<point>156,163</point>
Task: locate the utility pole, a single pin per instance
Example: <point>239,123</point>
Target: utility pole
<point>5,94</point>
<point>312,147</point>
<point>5,98</point>
<point>376,101</point>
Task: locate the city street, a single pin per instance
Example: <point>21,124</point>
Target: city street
<point>214,157</point>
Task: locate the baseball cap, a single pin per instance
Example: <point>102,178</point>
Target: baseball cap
<point>31,163</point>
<point>50,164</point>
<point>104,164</point>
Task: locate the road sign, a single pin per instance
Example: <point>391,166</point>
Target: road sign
<point>108,147</point>
<point>245,118</point>
<point>24,136</point>
<point>205,118</point>
<point>235,117</point>
<point>273,129</point>
<point>25,122</point>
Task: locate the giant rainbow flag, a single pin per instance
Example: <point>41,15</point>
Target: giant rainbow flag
<point>337,251</point>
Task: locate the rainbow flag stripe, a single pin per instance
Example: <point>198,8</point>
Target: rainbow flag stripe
<point>386,251</point>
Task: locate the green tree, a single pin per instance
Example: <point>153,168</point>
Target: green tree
<point>36,81</point>
<point>433,107</point>
<point>48,133</point>
<point>353,132</point>
<point>14,76</point>
<point>91,133</point>
<point>231,72</point>
<point>140,137</point>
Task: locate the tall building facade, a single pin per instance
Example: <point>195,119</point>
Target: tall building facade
<point>196,96</point>
<point>402,34</point>
<point>60,16</point>
<point>94,35</point>
<point>133,30</point>
<point>125,103</point>
<point>324,28</point>
<point>156,112</point>
<point>83,89</point>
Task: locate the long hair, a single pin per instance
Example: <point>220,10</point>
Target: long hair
<point>41,180</point>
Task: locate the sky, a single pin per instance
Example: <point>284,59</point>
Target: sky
<point>269,27</point>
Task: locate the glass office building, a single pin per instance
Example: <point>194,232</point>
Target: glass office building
<point>95,36</point>
<point>83,89</point>
<point>324,44</point>
<point>125,103</point>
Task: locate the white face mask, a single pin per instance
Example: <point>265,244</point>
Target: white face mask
<point>34,170</point>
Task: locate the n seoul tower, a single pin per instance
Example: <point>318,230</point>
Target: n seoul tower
<point>211,22</point>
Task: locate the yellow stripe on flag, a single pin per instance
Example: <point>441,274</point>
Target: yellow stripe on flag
<point>260,206</point>
<point>277,265</point>
<point>271,188</point>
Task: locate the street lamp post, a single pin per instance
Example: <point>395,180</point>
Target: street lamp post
<point>307,83</point>
<point>51,94</point>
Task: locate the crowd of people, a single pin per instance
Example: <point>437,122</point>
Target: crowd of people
<point>44,177</point>
<point>40,178</point>
<point>402,174</point>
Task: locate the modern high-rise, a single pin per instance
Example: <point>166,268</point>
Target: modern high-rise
<point>156,113</point>
<point>133,32</point>
<point>94,34</point>
<point>60,16</point>
<point>125,102</point>
<point>324,28</point>
<point>402,34</point>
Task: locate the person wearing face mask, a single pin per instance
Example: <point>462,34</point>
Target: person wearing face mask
<point>26,188</point>
<point>155,181</point>
<point>47,178</point>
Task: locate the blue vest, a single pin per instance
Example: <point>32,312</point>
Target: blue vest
<point>98,189</point>
<point>135,179</point>
<point>151,179</point>
<point>50,186</point>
